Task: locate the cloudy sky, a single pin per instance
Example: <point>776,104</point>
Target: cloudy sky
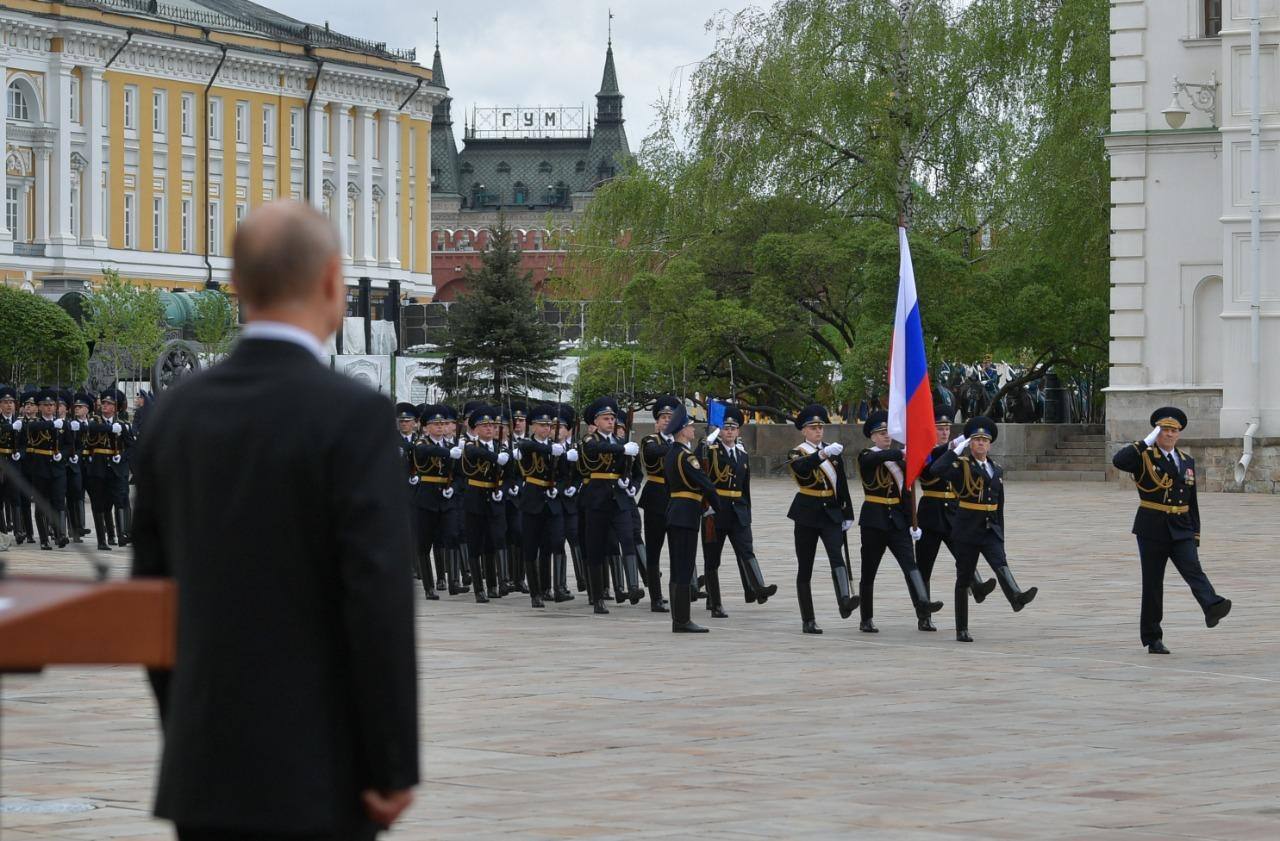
<point>549,52</point>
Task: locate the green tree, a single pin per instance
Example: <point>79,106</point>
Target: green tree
<point>126,324</point>
<point>39,342</point>
<point>214,324</point>
<point>495,340</point>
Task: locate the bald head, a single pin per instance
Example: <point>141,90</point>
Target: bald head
<point>283,253</point>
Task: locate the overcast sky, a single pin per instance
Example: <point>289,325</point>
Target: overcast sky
<point>549,52</point>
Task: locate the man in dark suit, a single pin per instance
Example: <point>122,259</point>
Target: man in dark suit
<point>1167,524</point>
<point>291,709</point>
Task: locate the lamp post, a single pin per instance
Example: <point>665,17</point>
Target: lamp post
<point>1203,96</point>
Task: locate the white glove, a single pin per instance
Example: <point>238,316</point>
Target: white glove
<point>117,428</point>
<point>557,449</point>
<point>455,453</point>
<point>631,448</point>
<point>571,454</point>
<point>551,493</point>
<point>833,449</point>
<point>497,495</point>
<point>17,425</point>
<point>715,433</point>
<point>447,493</point>
<point>623,483</point>
<point>75,426</point>
<point>846,525</point>
<point>413,480</point>
<point>958,444</point>
<point>75,459</point>
<point>57,423</point>
<point>634,491</point>
<point>16,456</point>
<point>515,454</point>
<point>572,489</point>
<point>515,490</point>
<point>916,534</point>
<point>57,456</point>
<point>504,457</point>
<point>116,458</point>
<point>1151,438</point>
<point>709,512</point>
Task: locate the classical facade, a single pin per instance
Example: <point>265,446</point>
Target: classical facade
<point>537,167</point>
<point>1181,197</point>
<point>138,134</point>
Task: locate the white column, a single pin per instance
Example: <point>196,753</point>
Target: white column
<point>388,227</point>
<point>6,235</point>
<point>341,148</point>
<point>60,179</point>
<point>95,93</point>
<point>315,166</point>
<point>42,195</point>
<point>366,247</point>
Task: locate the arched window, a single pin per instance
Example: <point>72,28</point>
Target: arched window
<point>521,193</point>
<point>504,167</point>
<point>19,107</point>
<point>544,167</point>
<point>466,169</point>
<point>1206,332</point>
<point>580,166</point>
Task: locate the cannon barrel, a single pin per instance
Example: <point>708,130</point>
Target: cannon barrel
<point>180,307</point>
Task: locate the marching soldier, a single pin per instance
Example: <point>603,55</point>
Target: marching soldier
<point>455,432</point>
<point>27,412</point>
<point>654,499</point>
<point>569,482</point>
<point>978,528</point>
<point>821,510</point>
<point>688,488</point>
<point>1167,524</point>
<point>407,426</point>
<point>540,506</point>
<point>626,579</point>
<point>76,430</point>
<point>45,450</point>
<point>11,451</point>
<point>514,430</point>
<point>885,523</point>
<point>729,469</point>
<point>602,460</point>
<point>432,481</point>
<point>934,512</point>
<point>482,462</point>
<point>112,455</point>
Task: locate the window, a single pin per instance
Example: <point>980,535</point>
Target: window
<point>157,223</point>
<point>157,112</point>
<point>521,193</point>
<point>580,166</point>
<point>241,210</point>
<point>377,139</point>
<point>295,128</point>
<point>188,106</point>
<point>18,109</point>
<point>325,140</point>
<point>131,107</point>
<point>186,226</point>
<point>215,118</point>
<point>242,122</point>
<point>544,167</point>
<point>351,135</point>
<point>413,145</point>
<point>1212,18</point>
<point>351,227</point>
<point>75,99</point>
<point>12,198</point>
<point>268,126</point>
<point>75,206</point>
<point>504,167</point>
<point>130,231</point>
<point>214,228</point>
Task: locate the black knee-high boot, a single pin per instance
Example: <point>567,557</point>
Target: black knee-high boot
<point>962,613</point>
<point>428,585</point>
<point>981,588</point>
<point>761,592</point>
<point>560,576</point>
<point>1018,598</point>
<point>713,594</point>
<point>100,530</point>
<point>804,594</point>
<point>619,579</point>
<point>579,573</point>
<point>595,580</point>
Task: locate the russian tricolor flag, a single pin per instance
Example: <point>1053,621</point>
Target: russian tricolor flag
<point>910,394</point>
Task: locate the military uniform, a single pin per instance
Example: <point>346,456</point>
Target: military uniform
<point>729,469</point>
<point>605,503</point>
<point>885,523</point>
<point>689,489</point>
<point>484,504</point>
<point>569,483</point>
<point>77,432</point>
<point>11,452</point>
<point>978,527</point>
<point>515,416</point>
<point>1167,525</point>
<point>543,512</point>
<point>821,510</point>
<point>431,466</point>
<point>45,451</point>
<point>653,498</point>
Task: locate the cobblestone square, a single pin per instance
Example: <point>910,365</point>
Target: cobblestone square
<point>1054,724</point>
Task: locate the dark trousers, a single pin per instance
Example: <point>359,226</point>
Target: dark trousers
<point>743,547</point>
<point>655,534</point>
<point>966,555</point>
<point>806,549</point>
<point>486,534</point>
<point>606,529</point>
<point>874,544</point>
<point>433,528</point>
<point>542,536</point>
<point>683,546</point>
<point>1155,555</point>
<point>927,548</point>
<point>365,832</point>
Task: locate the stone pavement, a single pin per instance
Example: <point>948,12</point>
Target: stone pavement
<point>1054,724</point>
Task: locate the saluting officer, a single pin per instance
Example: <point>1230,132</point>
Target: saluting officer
<point>935,510</point>
<point>1167,524</point>
<point>885,523</point>
<point>486,522</point>
<point>729,469</point>
<point>821,510</point>
<point>978,528</point>
<point>653,497</point>
<point>602,460</point>
<point>689,489</point>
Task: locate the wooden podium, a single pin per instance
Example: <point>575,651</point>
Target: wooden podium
<point>63,621</point>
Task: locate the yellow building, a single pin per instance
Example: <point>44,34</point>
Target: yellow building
<point>138,134</point>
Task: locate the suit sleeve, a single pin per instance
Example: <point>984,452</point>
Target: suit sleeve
<point>1129,457</point>
<point>1194,504</point>
<point>149,558</point>
<point>943,466</point>
<point>693,476</point>
<point>868,459</point>
<point>746,480</point>
<point>595,445</point>
<point>804,465</point>
<point>371,519</point>
<point>475,451</point>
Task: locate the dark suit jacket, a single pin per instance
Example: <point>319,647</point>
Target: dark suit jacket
<point>1163,484</point>
<point>295,684</point>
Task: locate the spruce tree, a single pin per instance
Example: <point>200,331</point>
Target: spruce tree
<point>495,342</point>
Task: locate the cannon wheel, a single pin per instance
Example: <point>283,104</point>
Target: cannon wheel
<point>178,359</point>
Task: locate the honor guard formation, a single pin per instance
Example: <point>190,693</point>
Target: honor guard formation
<point>506,498</point>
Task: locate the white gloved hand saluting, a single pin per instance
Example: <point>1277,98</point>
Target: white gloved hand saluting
<point>832,450</point>
<point>1150,440</point>
<point>571,455</point>
<point>117,428</point>
<point>715,433</point>
<point>958,444</point>
<point>504,457</point>
<point>631,448</point>
<point>455,453</point>
<point>916,533</point>
<point>557,449</point>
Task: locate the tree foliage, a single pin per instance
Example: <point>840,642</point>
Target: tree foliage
<point>126,325</point>
<point>39,342</point>
<point>495,341</point>
<point>214,322</point>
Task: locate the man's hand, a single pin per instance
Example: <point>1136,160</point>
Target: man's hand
<point>75,459</point>
<point>496,496</point>
<point>846,525</point>
<point>557,450</point>
<point>57,456</point>
<point>413,480</point>
<point>551,493</point>
<point>715,433</point>
<point>571,454</point>
<point>515,490</point>
<point>570,490</point>
<point>503,458</point>
<point>447,493</point>
<point>75,426</point>
<point>623,483</point>
<point>958,444</point>
<point>17,425</point>
<point>1150,440</point>
<point>916,533</point>
<point>631,448</point>
<point>385,809</point>
<point>57,423</point>
<point>455,453</point>
<point>116,428</point>
<point>832,450</point>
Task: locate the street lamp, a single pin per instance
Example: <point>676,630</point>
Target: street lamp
<point>1202,95</point>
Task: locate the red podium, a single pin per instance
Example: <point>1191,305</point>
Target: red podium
<point>63,621</point>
